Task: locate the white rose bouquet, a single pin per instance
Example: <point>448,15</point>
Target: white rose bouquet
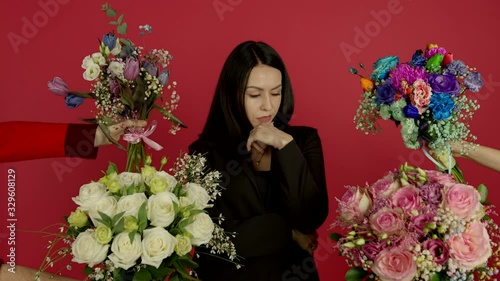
<point>143,226</point>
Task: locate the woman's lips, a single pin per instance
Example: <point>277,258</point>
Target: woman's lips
<point>265,119</point>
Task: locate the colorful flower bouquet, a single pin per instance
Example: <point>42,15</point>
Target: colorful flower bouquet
<point>128,83</point>
<point>416,224</point>
<point>143,225</point>
<point>426,96</point>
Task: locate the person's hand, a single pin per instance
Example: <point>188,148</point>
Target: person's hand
<point>308,242</point>
<point>116,131</point>
<point>267,135</point>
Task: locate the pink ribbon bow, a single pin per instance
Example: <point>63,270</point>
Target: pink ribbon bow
<point>135,135</point>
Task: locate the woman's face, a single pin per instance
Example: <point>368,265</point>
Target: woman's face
<point>263,94</point>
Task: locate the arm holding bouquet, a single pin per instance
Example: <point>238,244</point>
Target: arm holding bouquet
<point>483,155</point>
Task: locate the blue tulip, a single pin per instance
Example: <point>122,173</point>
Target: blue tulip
<point>73,101</point>
<point>109,40</point>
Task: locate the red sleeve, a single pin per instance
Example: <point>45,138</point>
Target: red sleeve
<point>22,140</point>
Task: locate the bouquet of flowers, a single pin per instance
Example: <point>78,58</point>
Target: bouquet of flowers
<point>416,224</point>
<point>426,96</point>
<point>128,83</point>
<point>144,224</point>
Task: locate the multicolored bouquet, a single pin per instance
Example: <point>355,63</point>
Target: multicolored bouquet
<point>143,225</point>
<point>416,224</point>
<point>426,96</point>
<point>128,83</point>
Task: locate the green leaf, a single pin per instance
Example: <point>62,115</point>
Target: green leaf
<point>142,217</point>
<point>113,22</point>
<point>131,236</point>
<point>120,18</point>
<point>106,132</point>
<point>87,270</point>
<point>142,275</point>
<point>122,28</point>
<point>435,277</point>
<point>186,261</point>
<point>126,42</point>
<point>169,116</point>
<point>353,70</point>
<point>486,218</point>
<point>110,12</point>
<point>105,219</point>
<point>335,236</point>
<point>119,226</point>
<point>112,168</point>
<point>117,217</point>
<point>356,274</point>
<point>484,192</point>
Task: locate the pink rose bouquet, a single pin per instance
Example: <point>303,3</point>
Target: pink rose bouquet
<point>416,224</point>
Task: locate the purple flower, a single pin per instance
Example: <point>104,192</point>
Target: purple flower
<point>58,87</point>
<point>432,52</point>
<point>163,77</point>
<point>446,84</point>
<point>457,67</point>
<point>73,101</point>
<point>441,105</point>
<point>131,69</point>
<point>473,82</point>
<point>151,69</point>
<point>382,66</point>
<point>371,249</point>
<point>421,221</point>
<point>410,111</point>
<point>407,73</point>
<point>417,59</point>
<point>114,87</point>
<point>431,193</point>
<point>109,40</point>
<point>438,250</point>
<point>385,93</point>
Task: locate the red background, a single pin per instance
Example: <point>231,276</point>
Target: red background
<point>200,34</point>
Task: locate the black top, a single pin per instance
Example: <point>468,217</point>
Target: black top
<point>264,207</point>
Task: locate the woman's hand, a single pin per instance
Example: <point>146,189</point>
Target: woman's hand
<point>308,242</point>
<point>267,135</point>
<point>116,131</point>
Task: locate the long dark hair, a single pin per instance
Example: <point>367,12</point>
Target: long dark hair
<point>227,120</point>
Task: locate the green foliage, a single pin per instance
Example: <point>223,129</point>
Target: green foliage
<point>484,193</point>
<point>356,274</point>
<point>335,236</point>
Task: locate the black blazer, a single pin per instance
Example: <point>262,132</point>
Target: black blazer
<point>264,231</point>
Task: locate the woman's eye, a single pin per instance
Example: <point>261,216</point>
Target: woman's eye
<point>276,94</point>
<point>253,96</point>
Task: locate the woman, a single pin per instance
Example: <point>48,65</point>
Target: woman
<point>275,193</point>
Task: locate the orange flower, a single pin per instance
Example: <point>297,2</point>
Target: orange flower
<point>366,84</point>
<point>432,46</point>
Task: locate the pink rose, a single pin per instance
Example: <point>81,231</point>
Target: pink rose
<point>395,264</point>
<point>384,187</point>
<point>421,96</point>
<point>463,201</point>
<point>438,177</point>
<point>406,198</point>
<point>472,248</point>
<point>354,204</point>
<point>387,221</point>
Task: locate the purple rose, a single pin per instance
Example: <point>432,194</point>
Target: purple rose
<point>438,250</point>
<point>385,93</point>
<point>58,87</point>
<point>73,101</point>
<point>473,82</point>
<point>446,84</point>
<point>371,249</point>
<point>410,111</point>
<point>431,193</point>
<point>421,221</point>
<point>131,69</point>
<point>457,67</point>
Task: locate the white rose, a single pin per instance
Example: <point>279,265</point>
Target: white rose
<point>86,249</point>
<point>147,173</point>
<point>184,202</point>
<point>87,61</point>
<point>117,49</point>
<point>201,229</point>
<point>162,181</point>
<point>116,68</point>
<point>89,193</point>
<point>157,244</point>
<point>130,204</point>
<point>92,72</point>
<point>183,245</point>
<point>161,211</point>
<point>98,59</point>
<point>198,194</point>
<point>105,205</point>
<point>127,179</point>
<point>125,253</point>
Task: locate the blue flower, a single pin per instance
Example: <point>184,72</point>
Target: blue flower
<point>441,105</point>
<point>109,40</point>
<point>163,77</point>
<point>385,93</point>
<point>382,66</point>
<point>73,101</point>
<point>417,59</point>
<point>473,82</point>
<point>410,111</point>
<point>457,67</point>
